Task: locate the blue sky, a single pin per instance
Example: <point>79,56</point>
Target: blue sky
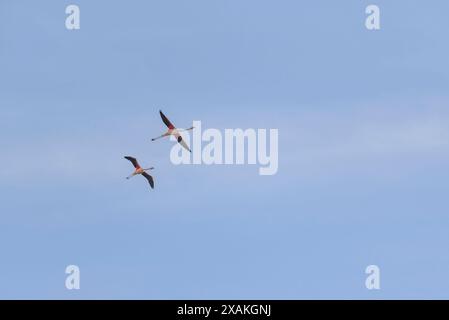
<point>363,121</point>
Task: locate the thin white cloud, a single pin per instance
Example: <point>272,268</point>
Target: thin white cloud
<point>312,142</point>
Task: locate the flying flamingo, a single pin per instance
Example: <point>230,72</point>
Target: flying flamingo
<point>173,131</point>
<point>140,170</point>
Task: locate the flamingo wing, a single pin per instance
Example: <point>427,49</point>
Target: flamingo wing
<point>166,121</point>
<point>182,142</point>
<point>149,178</point>
<point>133,161</point>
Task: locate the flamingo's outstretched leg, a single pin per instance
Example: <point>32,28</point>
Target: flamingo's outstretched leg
<point>181,130</point>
